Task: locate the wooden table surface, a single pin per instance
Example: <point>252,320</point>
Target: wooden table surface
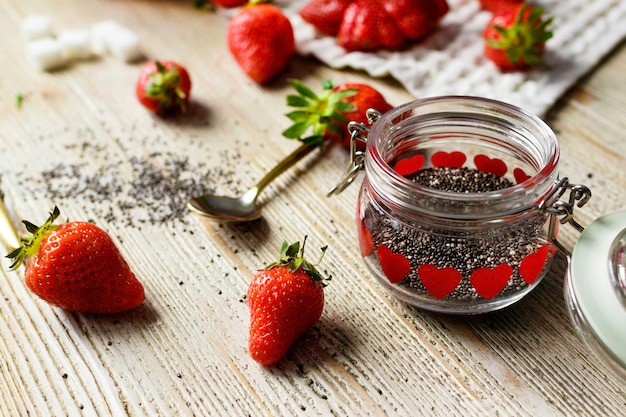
<point>81,141</point>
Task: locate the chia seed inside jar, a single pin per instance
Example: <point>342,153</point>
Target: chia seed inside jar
<point>448,213</point>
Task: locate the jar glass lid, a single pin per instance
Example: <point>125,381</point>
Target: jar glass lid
<point>597,274</point>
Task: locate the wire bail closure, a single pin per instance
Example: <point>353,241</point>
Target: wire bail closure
<point>579,195</point>
<point>358,133</point>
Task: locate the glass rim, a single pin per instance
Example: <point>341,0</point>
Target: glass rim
<point>494,112</point>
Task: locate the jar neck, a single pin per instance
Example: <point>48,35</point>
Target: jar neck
<point>470,126</point>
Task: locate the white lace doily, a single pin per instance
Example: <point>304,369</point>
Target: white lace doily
<point>451,61</point>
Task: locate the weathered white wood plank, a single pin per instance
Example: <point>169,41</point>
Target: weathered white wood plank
<point>184,352</point>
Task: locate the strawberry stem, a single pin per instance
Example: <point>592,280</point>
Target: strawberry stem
<point>292,257</point>
<point>164,87</point>
<point>318,113</point>
<point>30,244</point>
<point>523,41</point>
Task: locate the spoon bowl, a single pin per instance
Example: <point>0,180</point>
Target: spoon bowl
<point>243,208</point>
<point>229,209</point>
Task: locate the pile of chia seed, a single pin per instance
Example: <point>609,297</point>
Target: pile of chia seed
<point>146,189</point>
<point>460,180</point>
<point>465,250</point>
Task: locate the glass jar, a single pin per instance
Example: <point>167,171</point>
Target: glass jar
<point>453,214</point>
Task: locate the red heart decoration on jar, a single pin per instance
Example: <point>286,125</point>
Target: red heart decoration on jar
<point>520,176</point>
<point>493,165</point>
<point>395,266</point>
<point>454,159</point>
<point>365,238</point>
<point>408,166</point>
<point>439,282</point>
<point>488,282</point>
<point>533,264</point>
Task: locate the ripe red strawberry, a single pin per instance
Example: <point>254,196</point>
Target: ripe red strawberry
<point>230,4</point>
<point>163,87</point>
<point>285,299</point>
<point>76,266</point>
<point>261,39</point>
<point>328,113</point>
<point>325,15</point>
<point>366,98</point>
<point>515,37</point>
<point>442,8</point>
<point>415,18</point>
<point>497,5</point>
<point>366,26</point>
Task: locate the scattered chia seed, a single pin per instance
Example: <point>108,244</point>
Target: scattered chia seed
<point>152,189</point>
<point>465,250</point>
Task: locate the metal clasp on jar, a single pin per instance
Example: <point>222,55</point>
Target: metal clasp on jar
<point>358,133</point>
<point>578,197</point>
<point>557,208</point>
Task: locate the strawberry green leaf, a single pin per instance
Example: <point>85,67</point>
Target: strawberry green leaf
<point>292,250</point>
<point>30,228</point>
<point>343,94</point>
<point>297,101</point>
<point>164,86</point>
<point>292,257</point>
<point>295,264</point>
<point>296,131</point>
<point>327,85</point>
<point>31,243</point>
<point>283,249</point>
<point>298,116</point>
<point>344,106</point>
<point>318,113</point>
<point>303,90</point>
<point>14,254</point>
<point>523,41</point>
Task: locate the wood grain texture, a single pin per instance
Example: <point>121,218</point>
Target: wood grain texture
<point>183,353</point>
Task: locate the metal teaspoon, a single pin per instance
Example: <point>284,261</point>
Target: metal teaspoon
<point>244,207</point>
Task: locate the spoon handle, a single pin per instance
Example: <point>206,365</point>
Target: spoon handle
<point>283,165</point>
<point>8,233</point>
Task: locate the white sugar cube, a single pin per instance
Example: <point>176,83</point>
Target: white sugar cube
<point>124,45</point>
<point>101,33</point>
<point>36,26</point>
<point>76,44</point>
<point>46,54</point>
